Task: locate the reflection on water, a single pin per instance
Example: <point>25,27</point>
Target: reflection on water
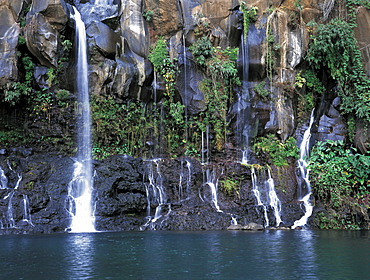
<point>303,254</point>
<point>80,256</point>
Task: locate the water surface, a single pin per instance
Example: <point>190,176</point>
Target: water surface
<point>298,254</point>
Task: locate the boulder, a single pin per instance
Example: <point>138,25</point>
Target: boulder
<point>253,226</point>
<point>105,38</point>
<point>133,28</point>
<point>42,39</point>
<point>9,32</point>
<point>54,11</point>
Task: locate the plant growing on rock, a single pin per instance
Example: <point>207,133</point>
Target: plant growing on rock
<point>249,16</point>
<point>174,111</point>
<point>219,66</point>
<point>275,150</point>
<point>334,49</point>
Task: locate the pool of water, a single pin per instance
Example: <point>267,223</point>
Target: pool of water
<point>294,254</point>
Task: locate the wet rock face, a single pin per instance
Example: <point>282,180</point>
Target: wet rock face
<point>9,32</point>
<point>130,194</point>
<point>363,24</point>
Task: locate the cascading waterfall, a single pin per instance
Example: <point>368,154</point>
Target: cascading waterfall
<point>274,200</point>
<point>212,182</point>
<point>304,175</point>
<point>269,199</point>
<point>155,193</point>
<point>9,211</point>
<point>257,194</point>
<point>81,186</point>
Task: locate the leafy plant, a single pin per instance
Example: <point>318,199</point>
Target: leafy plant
<point>261,91</point>
<point>334,48</point>
<point>229,186</point>
<point>148,15</point>
<point>202,49</point>
<point>273,149</point>
<point>249,16</point>
<point>337,172</point>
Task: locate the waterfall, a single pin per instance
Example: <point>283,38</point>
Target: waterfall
<point>269,199</point>
<point>81,187</point>
<point>275,203</point>
<point>9,211</point>
<point>185,179</point>
<point>26,210</point>
<point>156,194</point>
<point>205,146</point>
<point>243,103</point>
<point>212,182</point>
<point>186,82</point>
<point>304,174</point>
<point>234,221</point>
<point>3,180</point>
<point>257,194</point>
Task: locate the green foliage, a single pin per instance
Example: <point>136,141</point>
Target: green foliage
<point>148,15</point>
<point>229,186</point>
<point>10,137</point>
<point>261,91</point>
<point>119,128</point>
<point>222,75</point>
<point>249,16</point>
<point>203,25</point>
<point>334,48</point>
<point>163,65</point>
<point>15,91</point>
<point>275,150</point>
<point>337,173</point>
<point>202,49</point>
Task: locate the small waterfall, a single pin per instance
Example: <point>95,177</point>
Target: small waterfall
<point>274,200</point>
<point>212,182</point>
<point>205,146</point>
<point>257,194</point>
<point>243,103</point>
<point>264,191</point>
<point>234,221</point>
<point>26,210</point>
<point>304,175</point>
<point>185,179</point>
<point>3,180</point>
<point>186,82</point>
<point>156,194</point>
<point>10,223</point>
<point>81,187</point>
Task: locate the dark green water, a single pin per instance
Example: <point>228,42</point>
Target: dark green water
<point>294,254</point>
